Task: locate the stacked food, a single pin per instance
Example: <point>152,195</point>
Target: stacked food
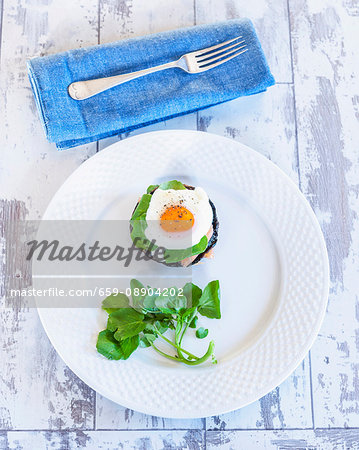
<point>180,219</point>
<point>174,224</point>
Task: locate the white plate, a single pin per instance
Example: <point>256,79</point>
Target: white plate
<point>270,259</point>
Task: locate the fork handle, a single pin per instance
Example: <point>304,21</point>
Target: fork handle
<point>80,90</point>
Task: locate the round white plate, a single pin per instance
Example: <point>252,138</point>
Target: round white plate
<point>270,259</point>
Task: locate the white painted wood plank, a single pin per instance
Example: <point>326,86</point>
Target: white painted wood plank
<point>264,122</point>
<point>36,389</point>
<point>326,69</point>
<point>3,440</point>
<point>115,417</point>
<point>109,440</point>
<point>187,122</point>
<point>270,18</point>
<point>129,18</point>
<point>284,440</point>
<point>32,167</point>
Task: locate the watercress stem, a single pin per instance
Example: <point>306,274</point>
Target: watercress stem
<point>204,358</point>
<point>174,358</point>
<point>177,333</point>
<point>187,325</point>
<point>174,345</point>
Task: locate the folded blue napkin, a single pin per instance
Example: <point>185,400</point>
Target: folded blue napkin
<point>146,100</point>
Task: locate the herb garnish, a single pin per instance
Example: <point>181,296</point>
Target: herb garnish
<point>151,313</point>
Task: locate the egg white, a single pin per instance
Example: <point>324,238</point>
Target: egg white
<point>196,201</point>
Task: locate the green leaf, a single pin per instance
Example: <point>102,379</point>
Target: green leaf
<point>149,302</point>
<point>151,188</point>
<point>209,303</point>
<point>142,207</point>
<point>201,333</point>
<point>137,297</point>
<point>171,304</point>
<point>188,312</point>
<point>125,322</point>
<point>109,347</point>
<point>173,256</point>
<point>139,224</point>
<point>150,337</point>
<point>162,326</point>
<point>174,184</point>
<point>138,234</point>
<point>144,342</point>
<point>129,345</point>
<point>193,293</point>
<point>193,323</point>
<point>170,324</point>
<point>114,302</point>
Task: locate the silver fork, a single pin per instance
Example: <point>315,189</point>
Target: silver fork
<point>194,62</point>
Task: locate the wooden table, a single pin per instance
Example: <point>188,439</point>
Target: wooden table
<point>307,124</point>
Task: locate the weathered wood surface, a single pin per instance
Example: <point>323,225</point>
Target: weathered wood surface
<point>109,440</point>
<point>307,124</point>
<point>318,439</point>
<point>326,75</point>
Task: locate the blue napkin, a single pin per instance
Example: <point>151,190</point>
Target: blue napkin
<point>146,100</point>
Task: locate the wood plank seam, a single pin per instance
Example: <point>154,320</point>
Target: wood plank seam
<point>311,388</point>
<point>262,430</point>
<point>294,98</point>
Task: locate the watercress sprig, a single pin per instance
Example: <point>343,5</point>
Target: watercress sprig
<point>144,319</point>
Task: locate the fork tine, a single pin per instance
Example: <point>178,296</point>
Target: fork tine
<point>204,51</point>
<point>222,50</point>
<point>208,62</point>
<point>211,66</point>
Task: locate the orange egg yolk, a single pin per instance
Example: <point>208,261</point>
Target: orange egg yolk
<point>177,218</point>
